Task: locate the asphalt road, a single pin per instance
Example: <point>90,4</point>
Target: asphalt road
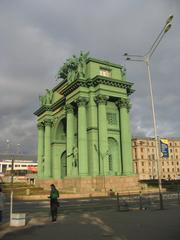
<point>107,224</point>
<point>41,208</point>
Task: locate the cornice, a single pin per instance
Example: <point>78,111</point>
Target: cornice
<point>85,83</point>
<point>58,104</point>
<point>98,80</point>
<point>42,109</point>
<point>104,62</point>
<point>52,107</point>
<point>62,82</point>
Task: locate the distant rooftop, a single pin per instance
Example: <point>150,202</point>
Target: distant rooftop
<point>152,138</point>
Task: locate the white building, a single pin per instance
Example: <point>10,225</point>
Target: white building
<point>22,164</point>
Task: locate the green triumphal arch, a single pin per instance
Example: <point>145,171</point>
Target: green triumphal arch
<point>83,122</point>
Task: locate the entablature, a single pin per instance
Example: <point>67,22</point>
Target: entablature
<point>96,81</point>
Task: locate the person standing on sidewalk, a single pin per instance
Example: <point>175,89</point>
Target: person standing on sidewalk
<point>2,203</point>
<point>54,204</point>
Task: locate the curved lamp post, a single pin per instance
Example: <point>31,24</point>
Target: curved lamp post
<point>146,59</point>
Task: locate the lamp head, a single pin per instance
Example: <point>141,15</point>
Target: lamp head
<point>125,54</point>
<point>170,18</point>
<point>128,58</point>
<point>168,26</point>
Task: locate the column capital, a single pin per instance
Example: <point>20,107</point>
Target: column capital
<point>101,99</point>
<point>82,101</point>
<point>123,103</point>
<point>68,108</point>
<point>48,122</point>
<point>40,125</point>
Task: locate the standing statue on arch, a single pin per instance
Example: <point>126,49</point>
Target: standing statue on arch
<point>82,64</point>
<point>74,68</point>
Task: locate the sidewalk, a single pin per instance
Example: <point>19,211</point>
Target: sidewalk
<point>106,224</point>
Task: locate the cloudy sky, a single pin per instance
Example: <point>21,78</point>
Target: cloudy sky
<point>37,36</point>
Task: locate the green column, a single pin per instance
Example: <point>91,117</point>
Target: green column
<point>82,137</point>
<point>70,137</point>
<point>103,134</point>
<point>40,149</point>
<point>93,155</point>
<point>125,137</point>
<point>56,163</point>
<point>47,162</point>
<point>120,169</point>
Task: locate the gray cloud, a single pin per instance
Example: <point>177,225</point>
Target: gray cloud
<point>38,36</point>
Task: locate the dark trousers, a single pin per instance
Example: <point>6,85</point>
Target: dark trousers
<point>54,210</point>
<point>0,215</point>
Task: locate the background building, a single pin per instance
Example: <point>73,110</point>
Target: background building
<point>145,165</point>
<point>22,164</point>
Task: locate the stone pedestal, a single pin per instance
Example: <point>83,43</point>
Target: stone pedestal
<point>121,184</point>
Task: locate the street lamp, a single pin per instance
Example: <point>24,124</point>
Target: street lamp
<point>12,178</point>
<point>146,59</point>
<point>18,150</point>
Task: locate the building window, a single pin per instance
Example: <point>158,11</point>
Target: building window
<point>142,163</point>
<point>162,163</point>
<point>112,118</point>
<point>142,170</point>
<point>176,156</point>
<point>136,167</point>
<point>172,163</point>
<point>171,150</point>
<point>177,163</point>
<point>142,157</point>
<point>172,169</point>
<point>177,169</point>
<point>141,149</point>
<point>168,169</point>
<point>105,72</point>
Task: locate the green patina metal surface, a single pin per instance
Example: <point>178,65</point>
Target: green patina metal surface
<point>83,122</point>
